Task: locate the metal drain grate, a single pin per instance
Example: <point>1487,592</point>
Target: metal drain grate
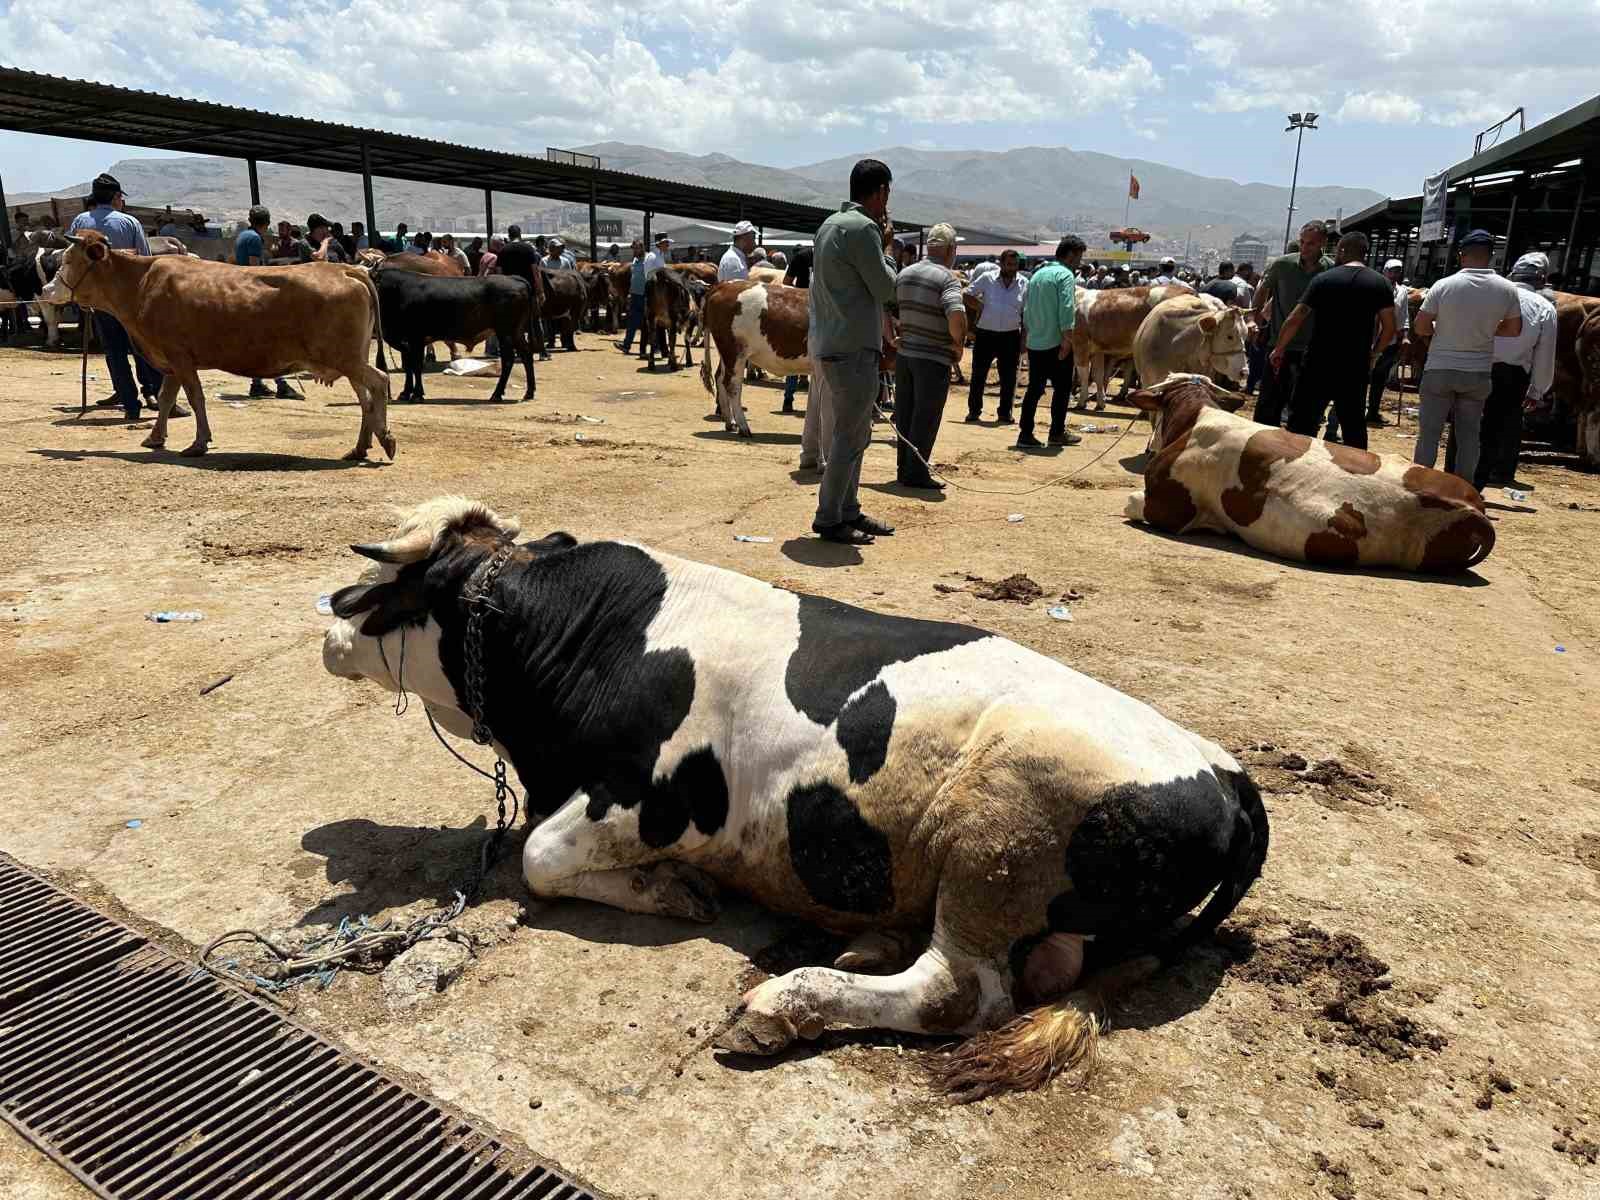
<point>148,1081</point>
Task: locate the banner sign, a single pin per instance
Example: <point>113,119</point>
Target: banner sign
<point>1435,197</point>
<point>608,229</point>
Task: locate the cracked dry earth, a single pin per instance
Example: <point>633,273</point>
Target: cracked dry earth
<point>1404,1006</point>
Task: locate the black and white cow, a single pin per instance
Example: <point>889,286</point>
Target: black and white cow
<point>27,272</point>
<point>1030,836</point>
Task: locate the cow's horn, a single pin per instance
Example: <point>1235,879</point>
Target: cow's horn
<point>74,238</point>
<point>412,547</point>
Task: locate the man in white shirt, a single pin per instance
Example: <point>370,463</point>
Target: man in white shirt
<point>735,263</point>
<point>1168,273</point>
<point>1393,270</point>
<point>1463,314</point>
<point>660,256</point>
<point>1524,367</point>
<point>998,337</point>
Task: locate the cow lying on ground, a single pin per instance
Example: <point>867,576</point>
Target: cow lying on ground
<point>1027,838</point>
<point>1194,335</point>
<point>666,311</point>
<point>758,324</point>
<point>418,309</point>
<point>1298,497</point>
<point>1107,321</point>
<point>187,314</point>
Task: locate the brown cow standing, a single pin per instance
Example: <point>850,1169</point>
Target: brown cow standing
<point>427,262</point>
<point>761,324</point>
<point>1297,497</point>
<point>188,314</point>
<point>666,309</point>
<point>1107,320</point>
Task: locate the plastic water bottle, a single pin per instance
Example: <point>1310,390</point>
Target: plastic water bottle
<point>325,604</point>
<point>1516,494</point>
<point>1059,612</point>
<point>1015,518</point>
<point>171,615</point>
<point>750,537</point>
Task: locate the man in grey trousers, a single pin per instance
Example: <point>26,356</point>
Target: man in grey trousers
<point>850,283</point>
<point>1463,314</point>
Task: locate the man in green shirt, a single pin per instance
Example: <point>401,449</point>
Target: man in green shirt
<point>1282,285</point>
<point>1048,315</point>
<point>851,281</point>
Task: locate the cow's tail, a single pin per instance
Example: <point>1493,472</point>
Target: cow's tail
<point>705,358</point>
<point>1064,1034</point>
<point>377,314</point>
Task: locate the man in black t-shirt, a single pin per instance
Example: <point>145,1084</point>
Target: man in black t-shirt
<point>1349,301</point>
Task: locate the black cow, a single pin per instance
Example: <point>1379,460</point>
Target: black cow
<point>418,309</point>
<point>598,284</point>
<point>1031,838</point>
<point>666,309</point>
<point>566,298</point>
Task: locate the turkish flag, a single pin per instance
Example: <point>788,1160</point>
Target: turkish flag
<point>1133,186</point>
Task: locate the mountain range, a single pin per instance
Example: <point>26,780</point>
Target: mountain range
<point>1014,194</point>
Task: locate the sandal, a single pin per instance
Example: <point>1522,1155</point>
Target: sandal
<point>845,535</point>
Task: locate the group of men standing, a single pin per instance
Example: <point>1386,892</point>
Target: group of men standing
<point>1336,328</point>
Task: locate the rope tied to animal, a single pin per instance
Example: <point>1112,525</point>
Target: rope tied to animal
<point>358,944</point>
<point>1051,482</point>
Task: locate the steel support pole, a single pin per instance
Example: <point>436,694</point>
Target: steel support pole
<point>1511,229</point>
<point>5,220</point>
<point>488,212</point>
<point>594,226</point>
<point>647,230</point>
<point>366,192</point>
<point>1568,259</point>
<point>255,181</point>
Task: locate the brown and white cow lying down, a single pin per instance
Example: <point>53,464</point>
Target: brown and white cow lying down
<point>1027,839</point>
<point>1298,497</point>
<point>187,315</point>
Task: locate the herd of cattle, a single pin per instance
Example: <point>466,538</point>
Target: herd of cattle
<point>320,318</point>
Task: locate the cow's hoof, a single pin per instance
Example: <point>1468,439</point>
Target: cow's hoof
<point>757,1033</point>
<point>194,449</point>
<point>744,431</point>
<point>386,440</point>
<point>679,890</point>
<point>154,443</point>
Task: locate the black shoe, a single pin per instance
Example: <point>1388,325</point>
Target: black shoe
<point>1026,441</point>
<point>788,406</point>
<point>1376,420</point>
<point>845,535</point>
<point>972,418</point>
<point>1332,437</point>
<point>285,392</point>
<point>258,390</point>
<point>110,401</point>
<point>871,525</point>
<point>1006,419</point>
<point>921,485</point>
<point>1065,438</point>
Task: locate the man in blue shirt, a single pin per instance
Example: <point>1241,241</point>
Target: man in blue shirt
<point>250,250</point>
<point>638,271</point>
<point>123,233</point>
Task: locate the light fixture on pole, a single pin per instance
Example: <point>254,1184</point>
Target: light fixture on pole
<point>1297,122</point>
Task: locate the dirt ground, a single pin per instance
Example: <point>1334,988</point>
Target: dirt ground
<point>1403,1006</point>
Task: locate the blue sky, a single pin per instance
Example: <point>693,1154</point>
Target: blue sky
<point>1198,84</point>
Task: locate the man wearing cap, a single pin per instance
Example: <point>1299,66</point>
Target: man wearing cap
<point>933,328</point>
<point>1393,270</point>
<point>638,272</point>
<point>1281,287</point>
<point>851,281</point>
<point>448,248</point>
<point>1049,313</point>
<point>735,262</point>
<point>123,233</point>
<point>553,259</point>
<point>1168,272</point>
<point>324,247</point>
<point>1524,367</point>
<point>1463,314</point>
<point>1227,287</point>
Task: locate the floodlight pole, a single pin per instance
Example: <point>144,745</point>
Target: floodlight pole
<point>1296,122</point>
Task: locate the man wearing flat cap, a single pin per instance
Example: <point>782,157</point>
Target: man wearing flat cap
<point>735,263</point>
<point>1463,314</point>
<point>123,232</point>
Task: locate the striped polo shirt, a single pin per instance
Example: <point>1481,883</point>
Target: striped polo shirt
<point>927,293</point>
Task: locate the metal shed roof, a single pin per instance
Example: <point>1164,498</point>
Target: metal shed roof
<point>46,104</point>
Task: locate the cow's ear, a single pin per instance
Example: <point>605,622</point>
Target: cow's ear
<point>551,543</point>
<point>1228,401</point>
<point>1208,323</point>
<point>1146,400</point>
<point>96,251</point>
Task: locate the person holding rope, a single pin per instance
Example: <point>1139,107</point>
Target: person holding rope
<point>123,232</point>
<point>933,328</point>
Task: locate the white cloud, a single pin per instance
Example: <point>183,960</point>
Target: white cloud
<point>1383,108</point>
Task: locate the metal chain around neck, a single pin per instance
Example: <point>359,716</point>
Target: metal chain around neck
<point>476,601</point>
